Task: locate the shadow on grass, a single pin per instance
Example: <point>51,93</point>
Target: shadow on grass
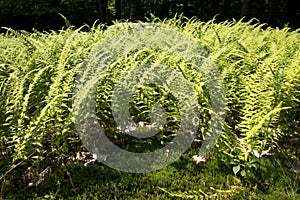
<point>181,180</point>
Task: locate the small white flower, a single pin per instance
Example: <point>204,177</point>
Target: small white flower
<point>141,124</point>
<point>94,156</point>
<point>31,184</point>
<point>129,128</point>
<point>199,159</point>
<point>167,152</point>
<point>259,155</point>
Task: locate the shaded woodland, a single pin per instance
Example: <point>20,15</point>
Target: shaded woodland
<point>44,14</point>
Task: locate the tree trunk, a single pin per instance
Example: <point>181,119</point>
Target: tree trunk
<point>215,7</point>
<point>271,10</point>
<point>185,8</point>
<point>132,10</point>
<point>293,13</point>
<point>102,10</point>
<point>201,9</point>
<point>118,9</point>
<point>165,9</point>
<point>245,12</point>
<point>226,8</point>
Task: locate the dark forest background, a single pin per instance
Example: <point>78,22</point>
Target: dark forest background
<point>43,14</point>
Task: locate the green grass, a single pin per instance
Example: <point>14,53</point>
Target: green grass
<point>260,67</point>
<point>181,180</point>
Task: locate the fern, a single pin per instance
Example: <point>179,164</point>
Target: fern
<point>259,67</point>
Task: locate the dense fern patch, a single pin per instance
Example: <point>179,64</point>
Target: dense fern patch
<point>260,67</point>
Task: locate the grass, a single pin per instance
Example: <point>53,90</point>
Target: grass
<point>181,180</point>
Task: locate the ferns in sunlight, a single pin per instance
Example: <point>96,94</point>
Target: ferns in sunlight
<point>260,68</point>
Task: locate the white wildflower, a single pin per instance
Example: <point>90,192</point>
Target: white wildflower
<point>259,155</point>
<point>94,156</point>
<point>199,159</point>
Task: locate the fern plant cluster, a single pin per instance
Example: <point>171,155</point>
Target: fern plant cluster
<point>260,68</point>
